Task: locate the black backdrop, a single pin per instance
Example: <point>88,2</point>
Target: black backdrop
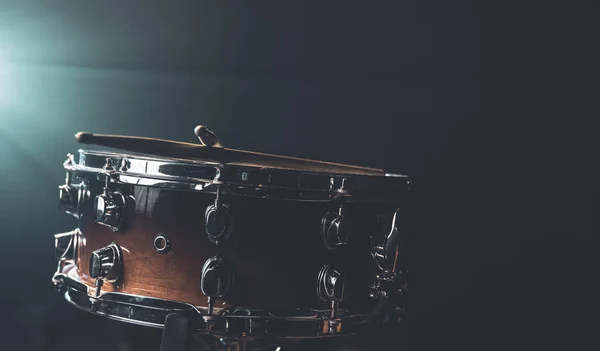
<point>475,101</point>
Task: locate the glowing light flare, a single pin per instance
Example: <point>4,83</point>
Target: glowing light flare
<point>4,78</point>
<point>10,80</point>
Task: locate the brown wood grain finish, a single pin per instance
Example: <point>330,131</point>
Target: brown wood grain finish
<point>173,276</point>
<point>275,250</point>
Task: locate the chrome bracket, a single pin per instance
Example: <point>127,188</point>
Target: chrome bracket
<point>386,284</point>
<point>226,323</point>
<point>66,245</point>
<point>389,252</point>
<point>336,228</point>
<point>216,280</point>
<point>110,205</point>
<point>218,220</point>
<point>330,287</point>
<point>332,325</point>
<point>71,196</point>
<point>94,300</point>
<point>390,284</point>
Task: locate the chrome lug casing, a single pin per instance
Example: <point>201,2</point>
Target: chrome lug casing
<point>66,251</point>
<point>66,244</point>
<point>216,278</point>
<point>336,230</point>
<point>106,263</point>
<point>330,284</point>
<point>72,194</point>
<point>110,206</point>
<point>218,223</point>
<point>389,251</point>
<point>389,254</point>
<point>110,210</point>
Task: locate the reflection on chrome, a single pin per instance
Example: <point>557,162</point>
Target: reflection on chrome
<point>239,180</point>
<point>233,322</point>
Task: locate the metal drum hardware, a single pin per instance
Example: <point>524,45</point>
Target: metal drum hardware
<point>67,197</point>
<point>65,245</point>
<point>218,221</point>
<point>390,284</point>
<point>386,252</point>
<point>330,287</point>
<point>162,243</point>
<point>107,263</point>
<point>125,165</point>
<point>253,324</point>
<point>216,280</point>
<point>110,209</point>
<point>336,229</point>
<point>110,205</point>
<point>70,196</point>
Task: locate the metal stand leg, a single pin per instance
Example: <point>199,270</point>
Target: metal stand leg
<point>175,333</point>
<point>177,337</point>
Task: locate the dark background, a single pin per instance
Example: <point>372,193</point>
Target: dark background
<point>480,103</point>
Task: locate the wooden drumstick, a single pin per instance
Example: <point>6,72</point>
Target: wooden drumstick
<point>218,155</point>
<point>207,137</point>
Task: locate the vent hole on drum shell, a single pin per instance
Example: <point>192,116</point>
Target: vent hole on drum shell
<point>161,243</point>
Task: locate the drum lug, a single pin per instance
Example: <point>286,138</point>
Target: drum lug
<point>330,287</point>
<point>336,229</point>
<point>107,263</point>
<point>110,205</point>
<point>65,245</point>
<point>110,209</point>
<point>218,221</point>
<point>216,280</point>
<point>389,252</point>
<point>70,196</point>
<point>330,284</point>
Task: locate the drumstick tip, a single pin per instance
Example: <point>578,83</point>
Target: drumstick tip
<point>83,137</point>
<point>198,130</point>
<point>207,137</point>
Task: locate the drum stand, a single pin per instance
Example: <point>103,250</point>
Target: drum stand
<point>177,337</point>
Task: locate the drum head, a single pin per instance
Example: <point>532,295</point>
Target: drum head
<point>234,179</point>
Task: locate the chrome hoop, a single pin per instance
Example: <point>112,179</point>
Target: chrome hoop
<point>240,180</point>
<point>232,323</point>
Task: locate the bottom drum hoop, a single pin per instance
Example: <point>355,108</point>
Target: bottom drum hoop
<point>251,324</point>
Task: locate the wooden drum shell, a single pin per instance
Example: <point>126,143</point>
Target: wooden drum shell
<point>275,249</point>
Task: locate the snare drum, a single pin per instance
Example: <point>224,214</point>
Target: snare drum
<point>244,251</point>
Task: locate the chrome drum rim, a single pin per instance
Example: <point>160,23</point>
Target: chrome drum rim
<point>239,180</point>
<point>233,323</point>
